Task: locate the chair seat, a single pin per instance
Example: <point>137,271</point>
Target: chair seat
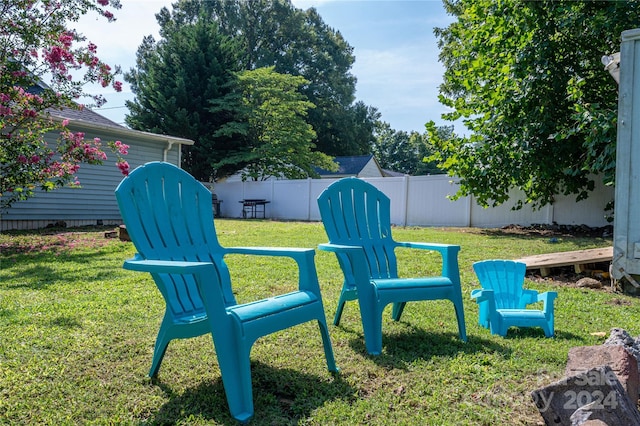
<point>410,283</point>
<point>521,313</point>
<point>192,318</point>
<point>273,305</point>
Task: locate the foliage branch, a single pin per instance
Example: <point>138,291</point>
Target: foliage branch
<point>526,79</point>
<point>36,44</point>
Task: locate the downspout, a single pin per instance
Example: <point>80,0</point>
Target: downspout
<point>166,150</point>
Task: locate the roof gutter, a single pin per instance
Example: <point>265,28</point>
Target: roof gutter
<point>129,132</point>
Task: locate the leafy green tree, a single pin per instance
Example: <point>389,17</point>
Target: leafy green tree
<point>184,86</point>
<point>526,78</point>
<point>37,45</point>
<point>276,120</point>
<point>296,42</point>
<point>426,150</point>
<point>404,152</point>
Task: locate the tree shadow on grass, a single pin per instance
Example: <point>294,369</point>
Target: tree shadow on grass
<point>34,278</point>
<point>280,397</point>
<point>401,349</point>
<point>537,332</point>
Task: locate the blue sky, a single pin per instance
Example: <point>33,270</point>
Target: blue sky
<point>396,52</point>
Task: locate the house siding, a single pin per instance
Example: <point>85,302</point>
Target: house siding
<point>93,203</point>
<point>370,169</point>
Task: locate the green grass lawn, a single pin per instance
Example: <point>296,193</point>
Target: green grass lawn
<point>77,334</point>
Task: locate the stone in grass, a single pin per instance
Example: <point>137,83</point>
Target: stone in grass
<point>587,282</point>
<point>625,365</point>
<point>598,388</point>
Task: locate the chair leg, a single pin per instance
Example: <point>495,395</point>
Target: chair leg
<point>549,328</point>
<point>397,310</point>
<point>372,328</point>
<point>235,369</point>
<point>160,348</point>
<point>483,314</point>
<point>462,330</point>
<point>346,295</point>
<point>338,315</point>
<point>328,349</point>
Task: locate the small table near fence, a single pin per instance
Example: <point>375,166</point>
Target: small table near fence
<point>216,205</point>
<point>252,207</point>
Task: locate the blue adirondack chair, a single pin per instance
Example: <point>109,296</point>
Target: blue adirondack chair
<point>503,300</point>
<point>169,218</point>
<point>356,217</point>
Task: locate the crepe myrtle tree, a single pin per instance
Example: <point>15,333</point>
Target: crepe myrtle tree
<point>36,44</point>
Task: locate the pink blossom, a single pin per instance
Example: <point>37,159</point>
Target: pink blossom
<point>66,39</point>
<point>54,55</point>
<point>103,2</point>
<point>22,159</point>
<point>35,158</point>
<point>121,147</point>
<point>65,122</point>
<point>123,166</point>
<point>117,86</point>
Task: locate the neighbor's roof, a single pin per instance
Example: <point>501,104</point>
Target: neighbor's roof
<point>87,119</point>
<point>349,165</point>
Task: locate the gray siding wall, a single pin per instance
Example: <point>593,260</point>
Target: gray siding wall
<point>95,200</point>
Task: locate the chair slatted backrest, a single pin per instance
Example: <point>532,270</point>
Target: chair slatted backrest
<point>505,278</point>
<point>168,216</point>
<point>356,213</point>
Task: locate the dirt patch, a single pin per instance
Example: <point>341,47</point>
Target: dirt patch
<point>567,277</point>
<point>555,230</point>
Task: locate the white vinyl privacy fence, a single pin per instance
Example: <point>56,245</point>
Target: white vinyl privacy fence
<point>415,201</point>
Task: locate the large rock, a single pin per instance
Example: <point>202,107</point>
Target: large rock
<point>619,336</point>
<point>623,364</point>
<point>595,394</point>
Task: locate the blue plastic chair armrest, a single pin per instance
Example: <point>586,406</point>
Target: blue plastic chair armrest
<point>268,251</point>
<point>167,266</point>
<point>483,295</point>
<point>442,248</point>
<point>201,271</point>
<point>547,298</point>
<point>340,248</point>
<point>449,253</point>
<point>308,279</point>
<point>358,263</point>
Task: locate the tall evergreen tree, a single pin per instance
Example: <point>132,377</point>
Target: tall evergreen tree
<point>176,80</point>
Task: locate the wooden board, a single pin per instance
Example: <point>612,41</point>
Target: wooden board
<point>577,258</point>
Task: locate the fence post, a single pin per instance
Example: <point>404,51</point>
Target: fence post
<point>309,201</point>
<point>405,201</point>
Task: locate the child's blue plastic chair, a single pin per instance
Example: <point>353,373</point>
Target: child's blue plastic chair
<point>503,300</point>
<point>169,218</point>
